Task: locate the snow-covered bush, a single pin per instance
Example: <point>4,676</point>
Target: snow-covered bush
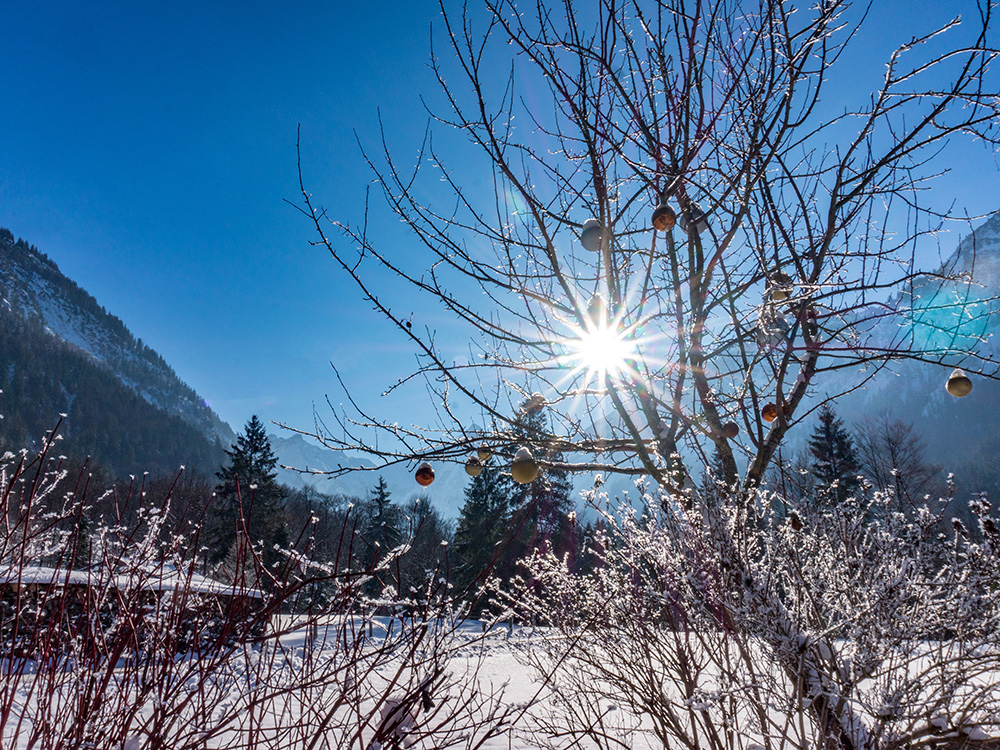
<point>890,626</point>
<point>111,636</point>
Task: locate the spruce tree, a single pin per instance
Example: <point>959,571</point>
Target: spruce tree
<point>834,463</point>
<point>481,524</point>
<point>249,495</point>
<point>382,531</point>
<point>540,517</point>
<point>384,523</point>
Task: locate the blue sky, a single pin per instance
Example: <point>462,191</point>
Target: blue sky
<point>148,149</point>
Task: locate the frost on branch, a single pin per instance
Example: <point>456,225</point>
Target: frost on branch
<point>892,624</point>
<point>111,635</point>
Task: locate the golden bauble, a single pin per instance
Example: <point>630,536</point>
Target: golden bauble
<point>959,384</point>
<point>473,466</point>
<point>524,468</point>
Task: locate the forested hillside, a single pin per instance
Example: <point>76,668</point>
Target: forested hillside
<point>42,376</point>
<point>62,353</point>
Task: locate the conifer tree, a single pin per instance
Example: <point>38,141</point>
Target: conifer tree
<point>834,463</point>
<point>383,525</point>
<point>481,523</point>
<point>540,511</point>
<point>249,497</point>
<point>382,531</point>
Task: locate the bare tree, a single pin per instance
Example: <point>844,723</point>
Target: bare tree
<point>892,458</point>
<point>679,243</point>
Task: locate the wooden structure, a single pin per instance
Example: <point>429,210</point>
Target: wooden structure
<point>47,611</point>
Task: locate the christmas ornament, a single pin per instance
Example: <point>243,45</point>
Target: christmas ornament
<point>524,468</point>
<point>959,384</point>
<point>424,475</point>
<point>591,235</point>
<point>664,218</point>
<point>597,310</point>
<point>473,466</point>
<point>693,217</point>
<point>780,287</point>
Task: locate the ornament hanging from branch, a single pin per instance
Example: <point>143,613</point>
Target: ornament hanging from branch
<point>664,218</point>
<point>524,468</point>
<point>597,311</point>
<point>693,217</point>
<point>424,475</point>
<point>959,384</point>
<point>780,287</point>
<point>591,235</point>
<point>473,466</point>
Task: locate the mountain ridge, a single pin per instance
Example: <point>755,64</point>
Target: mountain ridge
<point>61,353</point>
<point>33,283</point>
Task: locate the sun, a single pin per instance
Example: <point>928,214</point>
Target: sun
<point>603,351</point>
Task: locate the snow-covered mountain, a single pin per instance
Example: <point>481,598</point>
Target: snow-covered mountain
<point>978,254</point>
<point>961,434</point>
<point>34,286</point>
<point>62,353</point>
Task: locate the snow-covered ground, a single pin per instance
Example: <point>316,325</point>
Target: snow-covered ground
<point>296,691</point>
<point>333,684</point>
<point>490,699</point>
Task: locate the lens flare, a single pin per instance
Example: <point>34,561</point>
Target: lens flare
<point>603,351</point>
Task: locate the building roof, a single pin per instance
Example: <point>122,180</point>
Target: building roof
<point>166,578</point>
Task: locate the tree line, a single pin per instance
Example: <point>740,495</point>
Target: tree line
<point>409,545</point>
<point>502,524</point>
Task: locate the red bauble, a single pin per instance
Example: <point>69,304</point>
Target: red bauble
<point>424,475</point>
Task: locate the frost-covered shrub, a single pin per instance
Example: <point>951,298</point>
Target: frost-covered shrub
<point>887,625</point>
<point>114,634</point>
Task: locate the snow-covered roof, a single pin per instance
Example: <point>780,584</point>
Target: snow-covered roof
<point>35,574</point>
<point>167,579</point>
<point>172,581</point>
